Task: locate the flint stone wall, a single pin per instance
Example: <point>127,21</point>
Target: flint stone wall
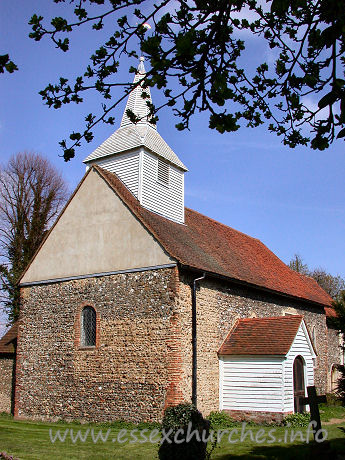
<point>7,366</point>
<point>132,373</point>
<point>219,305</point>
<point>334,354</point>
<point>142,361</point>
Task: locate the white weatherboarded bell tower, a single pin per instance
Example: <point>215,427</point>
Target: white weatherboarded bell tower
<point>143,161</point>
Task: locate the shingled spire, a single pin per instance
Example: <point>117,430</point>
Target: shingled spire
<point>142,159</point>
<point>136,102</point>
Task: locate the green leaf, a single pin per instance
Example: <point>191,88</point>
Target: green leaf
<point>341,133</point>
<point>329,99</point>
<point>6,64</point>
<point>280,6</point>
<point>68,154</point>
<point>59,23</point>
<point>75,136</point>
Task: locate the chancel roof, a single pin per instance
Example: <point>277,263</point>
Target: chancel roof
<point>207,245</point>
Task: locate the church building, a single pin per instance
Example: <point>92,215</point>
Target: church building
<point>134,303</point>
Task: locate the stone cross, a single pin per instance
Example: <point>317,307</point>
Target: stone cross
<point>313,401</point>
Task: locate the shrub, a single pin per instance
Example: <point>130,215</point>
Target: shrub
<point>297,420</point>
<point>221,420</point>
<point>187,418</point>
<point>333,399</point>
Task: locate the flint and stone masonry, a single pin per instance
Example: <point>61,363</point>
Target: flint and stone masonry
<point>142,361</point>
<point>335,355</point>
<point>7,365</point>
<point>219,305</point>
<point>133,371</point>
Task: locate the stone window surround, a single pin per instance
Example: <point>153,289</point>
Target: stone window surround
<point>77,326</point>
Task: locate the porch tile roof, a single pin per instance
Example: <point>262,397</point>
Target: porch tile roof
<point>6,341</point>
<point>261,336</point>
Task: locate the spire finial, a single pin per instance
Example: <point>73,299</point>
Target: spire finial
<point>135,102</point>
<point>141,68</point>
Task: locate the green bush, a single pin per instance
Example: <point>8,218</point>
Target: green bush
<point>297,420</point>
<point>333,399</point>
<point>187,418</point>
<point>221,420</point>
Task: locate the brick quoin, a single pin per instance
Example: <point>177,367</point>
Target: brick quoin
<point>174,394</point>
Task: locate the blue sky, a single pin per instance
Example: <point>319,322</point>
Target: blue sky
<point>292,200</point>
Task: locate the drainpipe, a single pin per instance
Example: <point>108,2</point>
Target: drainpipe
<point>194,341</point>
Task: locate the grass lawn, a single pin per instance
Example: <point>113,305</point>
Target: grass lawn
<point>31,440</point>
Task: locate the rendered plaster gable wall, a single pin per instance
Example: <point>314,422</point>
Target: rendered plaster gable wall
<point>96,233</point>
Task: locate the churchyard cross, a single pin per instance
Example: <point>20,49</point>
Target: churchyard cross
<point>313,401</point>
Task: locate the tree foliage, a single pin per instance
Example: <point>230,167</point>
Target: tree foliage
<point>198,58</point>
<point>32,193</point>
<point>333,285</point>
<point>6,65</point>
<point>339,307</point>
<point>297,264</point>
<point>338,323</point>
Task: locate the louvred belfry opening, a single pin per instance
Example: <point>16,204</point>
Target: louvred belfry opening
<point>141,158</point>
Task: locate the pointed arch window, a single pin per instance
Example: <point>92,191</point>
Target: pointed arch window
<point>88,327</point>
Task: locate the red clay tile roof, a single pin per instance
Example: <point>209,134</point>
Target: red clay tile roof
<point>210,246</point>
<point>330,312</point>
<point>6,342</point>
<point>261,336</point>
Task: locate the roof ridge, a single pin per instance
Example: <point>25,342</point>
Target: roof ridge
<point>268,318</point>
